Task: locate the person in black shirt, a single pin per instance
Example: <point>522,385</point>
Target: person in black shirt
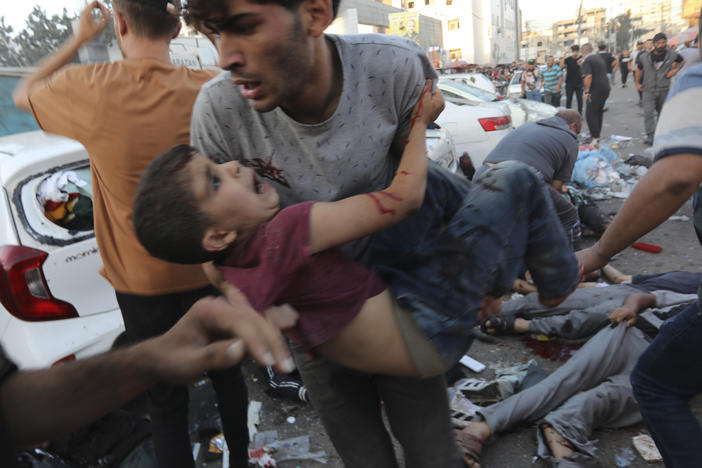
<point>610,60</point>
<point>597,89</point>
<point>624,59</point>
<point>574,78</point>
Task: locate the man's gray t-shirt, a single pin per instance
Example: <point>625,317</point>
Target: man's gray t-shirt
<point>347,154</point>
<point>549,146</point>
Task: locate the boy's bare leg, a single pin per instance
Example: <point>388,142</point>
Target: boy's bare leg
<point>614,275</point>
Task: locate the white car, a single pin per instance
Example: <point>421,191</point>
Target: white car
<point>54,305</point>
<point>475,128</point>
<point>477,80</point>
<point>521,110</point>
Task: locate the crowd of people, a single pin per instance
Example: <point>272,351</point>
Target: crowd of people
<point>379,264</point>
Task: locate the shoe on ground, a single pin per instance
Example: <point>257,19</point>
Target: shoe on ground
<point>648,141</point>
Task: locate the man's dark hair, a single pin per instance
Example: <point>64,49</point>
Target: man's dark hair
<point>149,20</point>
<point>197,12</point>
<point>602,46</point>
<point>575,48</point>
<point>167,219</point>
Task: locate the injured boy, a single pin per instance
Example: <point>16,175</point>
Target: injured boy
<point>413,315</point>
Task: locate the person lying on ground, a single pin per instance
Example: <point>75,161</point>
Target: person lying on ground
<point>346,313</point>
<point>591,390</point>
<point>587,310</point>
<point>37,405</point>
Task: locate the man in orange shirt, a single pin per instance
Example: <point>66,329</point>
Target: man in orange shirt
<point>125,113</point>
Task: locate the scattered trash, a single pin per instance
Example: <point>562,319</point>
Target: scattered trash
<point>266,448</point>
<point>594,168</point>
<point>253,416</point>
<point>620,138</point>
<point>472,364</point>
<point>217,444</point>
<point>647,448</point>
<point>679,218</point>
<point>624,457</point>
<point>647,247</point>
<point>551,350</point>
<point>196,450</point>
<point>291,420</point>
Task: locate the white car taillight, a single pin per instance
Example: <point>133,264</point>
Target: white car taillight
<point>490,124</point>
<point>23,288</point>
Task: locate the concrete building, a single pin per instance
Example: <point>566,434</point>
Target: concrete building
<point>369,16</point>
<point>592,29</point>
<point>477,31</point>
<point>535,44</point>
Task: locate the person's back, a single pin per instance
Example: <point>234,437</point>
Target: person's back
<point>595,65</point>
<point>549,146</point>
<point>124,113</point>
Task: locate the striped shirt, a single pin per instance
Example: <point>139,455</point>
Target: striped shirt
<point>679,128</point>
<point>550,77</point>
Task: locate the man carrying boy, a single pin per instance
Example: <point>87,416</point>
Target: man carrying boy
<point>319,117</point>
<point>125,113</point>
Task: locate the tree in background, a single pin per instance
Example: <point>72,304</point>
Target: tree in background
<point>625,33</point>
<point>41,36</point>
<point>10,54</point>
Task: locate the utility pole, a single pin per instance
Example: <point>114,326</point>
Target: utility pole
<point>580,20</point>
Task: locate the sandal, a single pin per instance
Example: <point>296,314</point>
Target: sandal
<point>481,392</point>
<point>462,411</point>
<point>500,324</point>
<point>470,446</point>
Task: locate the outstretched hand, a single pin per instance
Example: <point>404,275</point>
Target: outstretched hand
<point>90,25</point>
<point>214,334</point>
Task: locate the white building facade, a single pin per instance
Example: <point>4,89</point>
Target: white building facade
<point>476,31</point>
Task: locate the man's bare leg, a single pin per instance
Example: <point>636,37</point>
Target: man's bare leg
<point>470,441</point>
<point>560,447</point>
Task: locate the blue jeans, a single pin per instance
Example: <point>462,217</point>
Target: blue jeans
<point>470,240</point>
<point>533,95</point>
<point>666,376</point>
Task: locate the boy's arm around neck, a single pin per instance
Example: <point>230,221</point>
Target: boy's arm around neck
<point>335,223</point>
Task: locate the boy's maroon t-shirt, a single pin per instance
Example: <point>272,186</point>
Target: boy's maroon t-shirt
<point>274,267</point>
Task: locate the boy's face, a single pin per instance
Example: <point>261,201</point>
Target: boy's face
<point>231,195</point>
<point>266,48</point>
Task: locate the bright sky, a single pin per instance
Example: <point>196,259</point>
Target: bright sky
<point>16,11</point>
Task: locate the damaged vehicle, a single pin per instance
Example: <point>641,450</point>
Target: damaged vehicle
<point>55,306</point>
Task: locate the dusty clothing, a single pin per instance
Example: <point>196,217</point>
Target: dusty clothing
<point>531,80</point>
<point>273,266</point>
<point>100,105</point>
<point>348,154</point>
<point>655,67</point>
<point>548,146</point>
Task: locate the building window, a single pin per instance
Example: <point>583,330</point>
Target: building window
<point>449,2</point>
<point>410,5</point>
<point>427,2</point>
<point>455,54</point>
<point>454,25</point>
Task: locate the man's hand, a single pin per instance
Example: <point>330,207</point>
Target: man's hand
<point>214,334</point>
<point>429,106</point>
<point>639,86</point>
<point>89,26</point>
<point>620,314</point>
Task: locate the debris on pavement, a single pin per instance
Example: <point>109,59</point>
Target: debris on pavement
<point>217,444</point>
<point>472,364</point>
<point>643,443</point>
<point>267,450</point>
<point>624,457</point>
<point>253,416</point>
<point>679,218</point>
<point>646,247</point>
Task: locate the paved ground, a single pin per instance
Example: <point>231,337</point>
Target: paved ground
<point>517,448</point>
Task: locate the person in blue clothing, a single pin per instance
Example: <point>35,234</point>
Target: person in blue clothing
<point>552,77</point>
